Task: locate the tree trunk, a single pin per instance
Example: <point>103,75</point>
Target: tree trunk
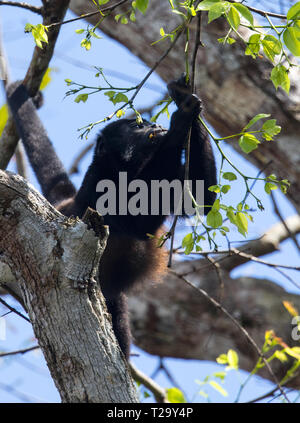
<point>54,260</point>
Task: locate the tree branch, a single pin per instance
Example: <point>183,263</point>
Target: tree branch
<point>35,9</point>
<point>37,68</point>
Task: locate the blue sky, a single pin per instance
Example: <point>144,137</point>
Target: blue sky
<point>28,374</point>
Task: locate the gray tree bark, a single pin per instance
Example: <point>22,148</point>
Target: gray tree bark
<point>53,262</point>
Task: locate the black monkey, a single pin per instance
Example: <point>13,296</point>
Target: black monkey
<point>146,152</point>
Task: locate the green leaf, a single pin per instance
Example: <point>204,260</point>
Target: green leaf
<point>101,2</point>
<point>79,31</point>
<point>229,176</point>
<point>280,78</point>
<point>271,46</point>
<point>220,375</point>
<point>248,143</point>
<point>291,37</point>
<point>132,16</point>
<point>46,79</point>
<point>269,186</point>
<point>294,11</point>
<point>28,27</point>
<point>119,98</point>
<point>284,184</point>
<point>214,188</point>
<point>214,219</point>
<point>216,205</point>
<point>93,34</point>
<point>225,228</point>
<point>3,117</point>
<point>253,46</point>
<point>233,17</point>
<point>188,243</point>
<point>216,11</point>
<point>175,395</point>
<point>86,44</point>
<point>142,5</point>
<point>233,359</point>
<point>162,32</point>
<point>227,40</point>
<point>218,388</point>
<point>120,113</point>
<point>270,129</point>
<point>39,33</point>
<point>225,189</point>
<point>242,223</point>
<point>231,216</point>
<point>124,20</point>
<point>207,4</point>
<point>81,97</point>
<point>244,11</point>
<point>255,119</point>
<point>222,359</point>
<point>110,94</point>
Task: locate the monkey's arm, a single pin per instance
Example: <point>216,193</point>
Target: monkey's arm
<point>202,162</point>
<point>55,183</point>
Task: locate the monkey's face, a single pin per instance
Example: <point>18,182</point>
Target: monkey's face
<point>142,132</point>
<point>131,142</point>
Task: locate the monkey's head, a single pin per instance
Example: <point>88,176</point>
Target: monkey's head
<point>129,141</point>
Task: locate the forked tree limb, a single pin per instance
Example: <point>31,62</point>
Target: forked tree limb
<point>55,260</point>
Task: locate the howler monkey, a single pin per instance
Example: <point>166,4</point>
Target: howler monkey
<point>146,152</point>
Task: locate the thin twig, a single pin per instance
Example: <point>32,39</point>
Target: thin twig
<point>235,251</point>
<point>198,43</point>
<point>291,235</point>
<point>88,15</point>
<point>24,351</point>
<point>21,161</point>
<point>237,324</point>
<point>14,310</point>
<point>158,392</point>
<point>75,165</point>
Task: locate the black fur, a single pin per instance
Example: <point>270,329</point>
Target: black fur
<point>146,152</point>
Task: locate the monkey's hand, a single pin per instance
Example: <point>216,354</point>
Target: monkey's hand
<point>179,90</point>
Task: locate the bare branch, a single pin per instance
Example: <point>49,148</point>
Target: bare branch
<point>35,9</point>
<point>24,351</point>
<point>291,234</point>
<point>12,309</point>
<point>21,160</point>
<point>88,15</point>
<point>38,66</point>
<point>240,327</point>
<point>158,392</point>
